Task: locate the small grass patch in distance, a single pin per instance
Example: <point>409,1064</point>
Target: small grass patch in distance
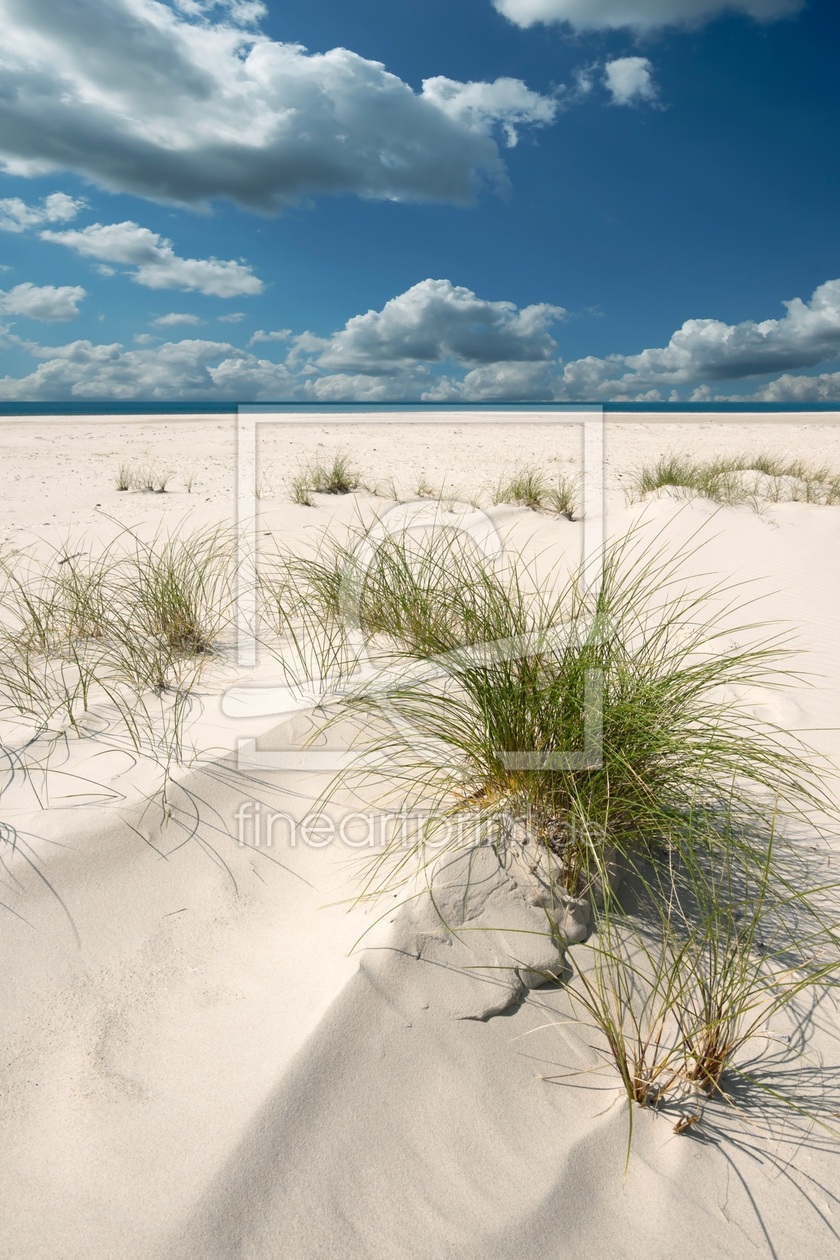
<point>530,488</point>
<point>337,475</point>
<point>740,479</point>
<point>526,487</point>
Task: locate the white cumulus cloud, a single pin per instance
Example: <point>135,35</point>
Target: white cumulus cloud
<point>710,350</point>
<point>176,106</point>
<point>516,382</point>
<point>787,388</point>
<point>434,321</point>
<point>277,334</point>
<point>244,12</point>
<point>17,216</point>
<point>47,302</point>
<point>629,80</point>
<point>359,387</point>
<point>642,15</point>
<point>182,369</point>
<point>439,341</point>
<point>157,265</point>
<point>479,105</point>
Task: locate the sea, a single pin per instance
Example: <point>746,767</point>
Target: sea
<point>199,408</point>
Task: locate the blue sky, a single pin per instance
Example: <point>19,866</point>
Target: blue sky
<point>571,200</point>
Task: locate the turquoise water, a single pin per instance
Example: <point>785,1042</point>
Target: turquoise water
<point>230,408</point>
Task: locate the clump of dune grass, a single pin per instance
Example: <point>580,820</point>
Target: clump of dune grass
<point>596,711</point>
<point>759,940</point>
<point>151,478</point>
<point>132,619</point>
<point>301,491</point>
<point>482,691</point>
<point>386,489</point>
<point>337,475</point>
<point>424,488</point>
<point>526,487</point>
<point>179,596</point>
<point>370,585</point>
<point>53,616</point>
<point>531,488</point>
<point>630,988</point>
<point>740,479</point>
<point>146,477</point>
<point>601,711</point>
<point>563,497</point>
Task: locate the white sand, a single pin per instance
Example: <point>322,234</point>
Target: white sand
<point>197,1062</point>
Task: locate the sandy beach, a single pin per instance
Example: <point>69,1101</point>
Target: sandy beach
<point>212,1050</point>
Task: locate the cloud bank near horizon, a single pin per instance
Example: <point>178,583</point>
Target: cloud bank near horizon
<point>436,342</point>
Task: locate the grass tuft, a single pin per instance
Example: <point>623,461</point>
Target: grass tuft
<point>301,491</point>
<point>746,479</point>
<point>531,488</point>
<point>147,477</point>
<point>425,490</point>
<point>563,498</point>
<point>527,487</point>
<point>519,675</point>
<point>337,476</point>
<point>133,619</point>
<point>602,715</point>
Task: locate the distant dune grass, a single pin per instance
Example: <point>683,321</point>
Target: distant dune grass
<point>745,479</point>
<point>334,475</point>
<point>148,477</point>
<point>530,487</point>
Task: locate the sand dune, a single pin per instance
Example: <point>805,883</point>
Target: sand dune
<point>210,1051</point>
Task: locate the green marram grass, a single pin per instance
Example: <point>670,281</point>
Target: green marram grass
<point>148,477</point>
<point>737,480</point>
<point>494,675</point>
<point>336,475</point>
<point>529,487</point>
<point>473,662</point>
<point>526,487</point>
<point>130,625</point>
